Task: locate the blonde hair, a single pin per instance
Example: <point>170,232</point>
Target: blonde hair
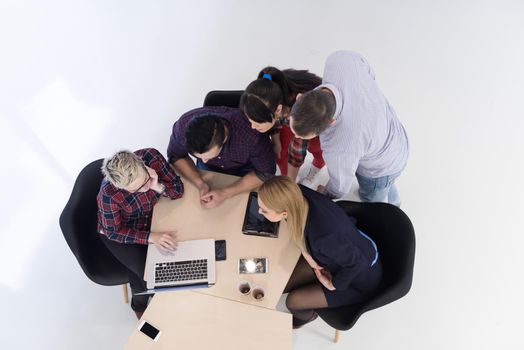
<point>282,194</point>
<point>122,169</point>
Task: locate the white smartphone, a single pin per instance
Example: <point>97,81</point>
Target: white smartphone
<point>149,330</point>
<point>252,265</point>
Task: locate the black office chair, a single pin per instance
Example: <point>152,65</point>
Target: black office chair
<point>78,222</point>
<point>394,235</point>
<point>227,98</point>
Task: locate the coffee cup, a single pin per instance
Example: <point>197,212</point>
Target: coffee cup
<point>244,287</point>
<point>258,293</point>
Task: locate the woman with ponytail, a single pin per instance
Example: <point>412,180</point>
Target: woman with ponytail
<point>267,102</point>
<point>339,265</point>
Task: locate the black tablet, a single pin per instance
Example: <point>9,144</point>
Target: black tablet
<point>255,223</point>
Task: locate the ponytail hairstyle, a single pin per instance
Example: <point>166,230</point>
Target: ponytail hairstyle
<point>280,194</point>
<point>272,88</point>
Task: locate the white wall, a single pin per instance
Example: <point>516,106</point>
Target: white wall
<point>80,80</point>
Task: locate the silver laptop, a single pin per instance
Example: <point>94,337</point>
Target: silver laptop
<point>190,266</point>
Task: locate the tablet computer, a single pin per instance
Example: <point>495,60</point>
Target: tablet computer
<point>255,223</point>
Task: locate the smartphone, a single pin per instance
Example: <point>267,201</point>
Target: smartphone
<point>149,330</point>
<point>220,250</point>
<point>252,265</point>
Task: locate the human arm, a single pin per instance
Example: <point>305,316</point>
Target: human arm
<point>165,240</point>
<point>186,167</point>
<point>295,156</point>
<point>262,158</point>
<point>343,257</point>
<point>325,277</point>
<point>216,197</point>
<point>164,179</point>
<point>277,145</point>
<point>111,225</point>
<point>341,170</point>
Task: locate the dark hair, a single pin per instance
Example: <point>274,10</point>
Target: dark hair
<point>262,96</point>
<point>313,112</point>
<point>204,132</point>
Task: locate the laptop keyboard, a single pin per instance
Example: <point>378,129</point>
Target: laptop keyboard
<point>181,271</point>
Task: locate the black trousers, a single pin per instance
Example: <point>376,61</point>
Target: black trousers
<point>133,257</point>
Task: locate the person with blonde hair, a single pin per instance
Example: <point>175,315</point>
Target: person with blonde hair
<point>339,265</point>
<point>133,183</point>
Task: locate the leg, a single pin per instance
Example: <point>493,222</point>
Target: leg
<point>377,189</point>
<point>292,172</point>
<point>337,336</point>
<point>302,275</point>
<point>126,293</point>
<point>301,302</point>
<point>393,196</point>
<point>133,257</point>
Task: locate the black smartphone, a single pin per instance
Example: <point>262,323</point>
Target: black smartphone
<point>220,250</point>
<point>149,330</point>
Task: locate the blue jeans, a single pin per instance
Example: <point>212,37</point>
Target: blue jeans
<point>379,189</point>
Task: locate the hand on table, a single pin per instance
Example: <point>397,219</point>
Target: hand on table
<point>202,190</point>
<point>166,241</point>
<point>213,198</point>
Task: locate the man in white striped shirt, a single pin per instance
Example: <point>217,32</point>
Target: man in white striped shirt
<point>359,131</point>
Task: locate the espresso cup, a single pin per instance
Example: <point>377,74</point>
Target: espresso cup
<point>244,287</point>
<point>258,293</point>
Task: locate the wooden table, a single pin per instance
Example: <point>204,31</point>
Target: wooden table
<point>187,216</point>
<point>198,321</point>
<point>220,317</point>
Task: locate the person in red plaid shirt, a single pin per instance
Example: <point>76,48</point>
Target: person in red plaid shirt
<point>133,183</point>
<point>267,102</point>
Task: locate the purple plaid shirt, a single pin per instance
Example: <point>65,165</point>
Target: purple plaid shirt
<point>244,146</point>
<point>126,217</point>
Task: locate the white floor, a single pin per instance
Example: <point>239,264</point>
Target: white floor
<point>82,79</point>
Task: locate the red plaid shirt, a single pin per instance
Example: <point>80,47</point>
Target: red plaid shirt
<point>297,148</point>
<point>126,217</point>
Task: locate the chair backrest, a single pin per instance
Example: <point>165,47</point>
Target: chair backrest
<point>78,222</point>
<point>227,98</point>
<point>394,235</point>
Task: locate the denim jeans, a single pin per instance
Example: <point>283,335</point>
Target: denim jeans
<point>379,189</point>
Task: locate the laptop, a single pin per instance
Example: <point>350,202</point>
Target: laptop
<point>190,266</point>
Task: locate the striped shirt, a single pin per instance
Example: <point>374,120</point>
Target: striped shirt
<point>367,137</point>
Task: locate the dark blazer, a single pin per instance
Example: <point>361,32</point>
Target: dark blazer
<point>334,241</point>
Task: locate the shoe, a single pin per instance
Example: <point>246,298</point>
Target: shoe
<point>139,314</point>
<point>298,323</point>
<point>309,179</point>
